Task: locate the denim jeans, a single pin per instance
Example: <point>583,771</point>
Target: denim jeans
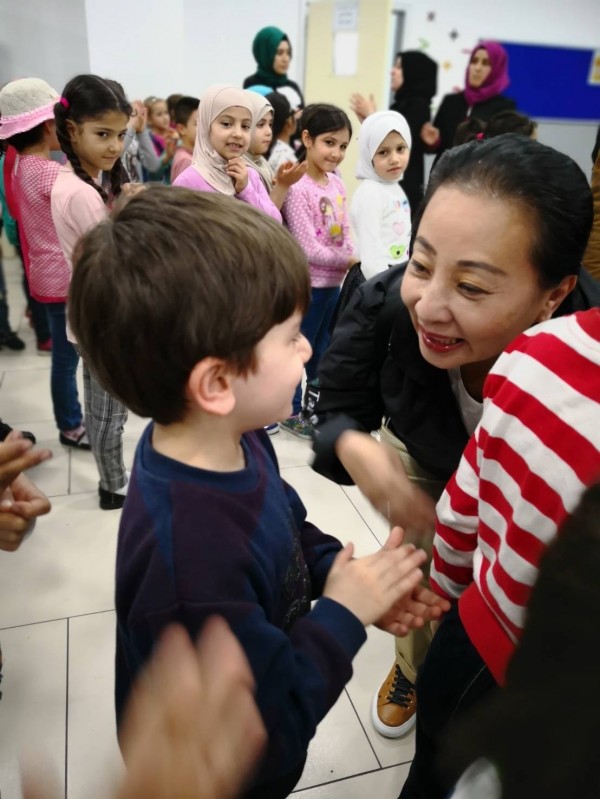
<point>316,328</point>
<point>63,384</point>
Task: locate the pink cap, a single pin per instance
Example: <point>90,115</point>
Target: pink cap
<point>24,104</point>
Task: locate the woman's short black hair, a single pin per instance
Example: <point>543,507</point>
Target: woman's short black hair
<point>545,183</point>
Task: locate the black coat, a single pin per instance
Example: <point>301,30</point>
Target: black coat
<point>373,369</point>
<point>416,112</point>
<point>455,109</point>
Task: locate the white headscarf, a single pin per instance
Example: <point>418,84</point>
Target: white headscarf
<point>372,132</point>
<point>206,160</point>
<point>259,108</point>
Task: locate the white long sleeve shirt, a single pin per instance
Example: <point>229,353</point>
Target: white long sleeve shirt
<point>380,217</point>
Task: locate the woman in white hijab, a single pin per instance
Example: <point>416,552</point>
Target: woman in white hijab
<point>380,212</point>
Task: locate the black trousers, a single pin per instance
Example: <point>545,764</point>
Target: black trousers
<point>452,679</point>
<point>277,789</point>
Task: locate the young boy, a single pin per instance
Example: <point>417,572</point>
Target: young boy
<point>203,335</point>
<point>186,124</point>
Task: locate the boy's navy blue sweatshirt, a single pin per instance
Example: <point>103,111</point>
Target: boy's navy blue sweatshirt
<point>194,543</point>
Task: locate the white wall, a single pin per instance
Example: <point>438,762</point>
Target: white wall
<point>43,39</point>
<point>552,22</point>
<point>158,47</point>
<point>185,45</point>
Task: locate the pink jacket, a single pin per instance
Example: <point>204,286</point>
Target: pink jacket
<point>254,194</point>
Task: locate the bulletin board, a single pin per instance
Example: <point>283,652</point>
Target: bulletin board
<point>554,82</point>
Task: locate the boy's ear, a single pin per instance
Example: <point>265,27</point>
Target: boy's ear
<point>209,387</point>
<point>180,129</point>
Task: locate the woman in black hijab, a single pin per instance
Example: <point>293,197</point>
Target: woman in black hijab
<point>414,83</point>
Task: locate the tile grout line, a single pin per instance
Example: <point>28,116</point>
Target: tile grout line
<point>60,618</point>
<point>67,715</point>
<point>356,508</point>
<point>349,777</point>
<point>363,727</point>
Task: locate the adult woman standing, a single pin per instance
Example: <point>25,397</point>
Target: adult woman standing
<point>273,52</point>
<point>497,248</point>
<point>485,80</point>
<point>414,83</point>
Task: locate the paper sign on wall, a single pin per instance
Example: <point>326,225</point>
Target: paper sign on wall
<point>594,78</point>
<point>345,53</point>
<point>345,16</point>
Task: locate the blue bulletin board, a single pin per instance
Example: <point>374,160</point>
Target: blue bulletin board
<point>554,82</point>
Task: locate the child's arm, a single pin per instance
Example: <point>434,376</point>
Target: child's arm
<point>255,194</point>
<point>301,214</point>
<point>150,160</point>
<point>367,213</point>
<point>287,174</point>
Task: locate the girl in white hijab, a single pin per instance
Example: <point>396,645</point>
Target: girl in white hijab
<point>222,140</point>
<point>380,212</point>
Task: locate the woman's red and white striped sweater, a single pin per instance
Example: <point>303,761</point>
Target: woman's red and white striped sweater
<point>534,452</point>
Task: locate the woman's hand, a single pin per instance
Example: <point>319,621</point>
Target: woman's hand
<point>361,106</point>
<point>430,135</point>
<point>379,473</point>
<point>238,171</point>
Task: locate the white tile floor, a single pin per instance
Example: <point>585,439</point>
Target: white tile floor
<point>57,619</point>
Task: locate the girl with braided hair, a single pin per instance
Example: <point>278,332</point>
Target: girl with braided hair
<point>91,123</point>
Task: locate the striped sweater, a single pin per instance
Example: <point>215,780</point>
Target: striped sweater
<point>535,450</point>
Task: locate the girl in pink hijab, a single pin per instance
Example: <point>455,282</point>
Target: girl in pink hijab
<point>223,135</point>
<point>486,79</point>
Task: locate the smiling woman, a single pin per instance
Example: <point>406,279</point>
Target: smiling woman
<point>273,53</point>
<point>497,248</point>
<point>485,80</point>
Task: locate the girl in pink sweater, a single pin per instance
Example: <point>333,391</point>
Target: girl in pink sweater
<point>316,215</point>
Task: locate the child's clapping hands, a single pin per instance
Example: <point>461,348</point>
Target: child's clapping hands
<point>384,588</point>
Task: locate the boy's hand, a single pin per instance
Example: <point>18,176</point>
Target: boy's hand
<point>415,609</point>
<point>21,501</point>
<point>238,171</point>
<point>380,474</point>
<point>369,587</point>
<point>290,173</point>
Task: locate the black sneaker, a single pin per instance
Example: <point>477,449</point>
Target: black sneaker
<point>5,429</point>
<point>12,342</point>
